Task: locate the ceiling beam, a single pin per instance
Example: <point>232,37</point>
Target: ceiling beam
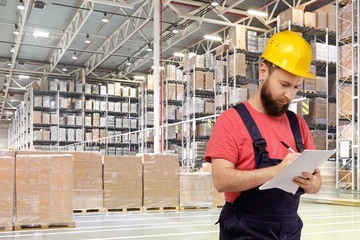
<point>126,30</point>
<point>77,22</point>
<point>115,3</point>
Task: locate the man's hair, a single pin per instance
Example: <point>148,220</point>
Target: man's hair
<point>271,67</point>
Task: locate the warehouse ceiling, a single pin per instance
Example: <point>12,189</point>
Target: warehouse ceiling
<point>28,56</point>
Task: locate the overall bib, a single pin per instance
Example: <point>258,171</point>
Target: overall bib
<point>266,214</point>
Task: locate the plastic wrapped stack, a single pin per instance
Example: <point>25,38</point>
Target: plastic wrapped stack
<point>195,189</point>
<point>7,171</point>
<point>161,180</point>
<point>218,199</point>
<point>88,192</point>
<point>122,182</point>
<point>44,189</point>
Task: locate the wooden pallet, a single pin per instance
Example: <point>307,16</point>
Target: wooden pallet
<point>145,209</point>
<point>195,207</point>
<point>44,226</point>
<point>84,211</point>
<point>218,206</point>
<point>6,229</point>
<point>107,210</point>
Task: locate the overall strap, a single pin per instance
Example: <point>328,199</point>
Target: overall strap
<point>258,141</point>
<point>295,130</point>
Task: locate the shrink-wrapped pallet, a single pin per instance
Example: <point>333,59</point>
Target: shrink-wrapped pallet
<point>179,74</point>
<point>87,88</point>
<point>346,61</point>
<point>122,182</point>
<point>37,136</point>
<point>199,78</point>
<point>126,92</point>
<point>45,118</point>
<point>79,88</point>
<point>118,91</point>
<point>79,136</point>
<point>71,134</point>
<point>117,107</point>
<point>319,138</point>
<point>161,180</point>
<point>330,9</point>
<point>321,20</point>
<point>96,119</point>
<point>218,199</point>
<point>88,192</point>
<point>133,108</point>
<point>103,90</point>
<point>95,89</point>
<point>46,135</point>
<point>170,72</point>
<point>310,19</point>
<point>196,61</point>
<point>170,91</point>
<point>317,111</point>
<point>179,92</point>
<point>118,122</point>
<point>38,101</point>
<point>209,61</point>
<point>111,106</point>
<point>44,189</point>
<point>237,38</point>
<point>125,107</point>
<point>209,81</point>
<point>237,65</point>
<point>78,120</point>
<point>71,86</point>
<point>295,16</point>
<point>53,86</point>
<point>7,179</point>
<point>62,86</point>
<point>37,117</point>
<point>111,89</point>
<point>150,82</point>
<point>320,84</point>
<point>237,95</point>
<point>195,189</point>
<point>209,107</point>
<point>133,123</point>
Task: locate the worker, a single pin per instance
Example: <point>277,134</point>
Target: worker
<point>245,148</point>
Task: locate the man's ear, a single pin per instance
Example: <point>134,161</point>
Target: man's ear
<point>263,71</point>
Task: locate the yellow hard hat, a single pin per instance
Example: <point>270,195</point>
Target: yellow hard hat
<point>289,51</point>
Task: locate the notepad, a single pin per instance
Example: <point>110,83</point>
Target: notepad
<point>306,162</point>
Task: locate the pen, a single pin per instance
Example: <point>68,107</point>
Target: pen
<point>287,146</point>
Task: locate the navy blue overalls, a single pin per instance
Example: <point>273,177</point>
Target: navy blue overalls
<point>266,214</point>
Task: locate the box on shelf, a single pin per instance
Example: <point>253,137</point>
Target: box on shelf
<point>125,107</point>
<point>126,91</point>
<point>96,119</point>
<point>133,93</point>
<point>330,9</point>
<point>203,129</point>
<point>45,118</point>
<point>103,121</point>
<point>88,121</point>
<point>46,101</point>
<point>88,104</point>
<point>295,16</point>
<point>111,89</point>
<point>46,135</point>
<point>321,20</point>
<point>345,21</point>
<point>95,132</point>
<point>237,38</point>
<point>310,19</point>
<point>71,86</point>
<point>38,102</point>
<point>133,123</point>
<point>186,60</point>
<point>237,95</point>
<point>199,78</point>
<point>251,41</point>
<point>125,123</point>
<point>345,61</point>
<point>117,107</point>
<point>133,107</point>
<point>111,106</point>
<point>70,120</point>
<point>62,86</point>
<point>317,111</point>
<point>332,114</point>
<point>170,72</point>
<point>37,136</point>
<point>237,65</point>
<point>103,105</point>
<point>209,81</point>
<point>150,82</point>
<point>103,90</point>
<point>161,180</point>
<point>319,137</point>
<point>78,120</point>
<point>118,122</point>
<point>118,89</point>
<point>170,132</point>
<point>53,86</point>
<point>179,92</point>
<point>320,84</point>
<point>79,136</point>
<point>209,61</point>
<point>170,91</point>
<point>88,136</point>
<point>62,135</point>
<point>96,105</point>
<point>196,61</point>
<point>102,133</point>
<point>209,106</point>
<point>309,85</point>
<point>70,134</point>
<point>221,50</point>
<point>78,88</point>
<point>95,89</point>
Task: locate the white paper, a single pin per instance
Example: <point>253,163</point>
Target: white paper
<point>306,162</point>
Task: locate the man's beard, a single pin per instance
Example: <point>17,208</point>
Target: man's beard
<point>272,107</point>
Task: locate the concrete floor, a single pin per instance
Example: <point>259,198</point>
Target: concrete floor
<point>321,221</point>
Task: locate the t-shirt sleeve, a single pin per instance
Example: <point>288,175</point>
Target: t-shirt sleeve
<point>306,134</point>
<point>222,142</point>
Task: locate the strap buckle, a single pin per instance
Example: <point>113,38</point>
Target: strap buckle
<point>300,146</point>
<point>261,145</point>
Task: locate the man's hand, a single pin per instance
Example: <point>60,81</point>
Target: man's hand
<point>311,183</point>
<point>290,157</point>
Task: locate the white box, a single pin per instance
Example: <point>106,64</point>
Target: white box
<point>46,101</point>
<point>111,89</point>
<point>88,88</point>
<point>62,86</point>
<point>53,86</point>
<point>79,135</point>
<point>79,88</point>
<point>103,90</point>
<point>78,120</point>
<point>111,107</point>
<point>103,121</point>
<point>117,107</point>
<point>118,122</point>
<point>62,134</point>
<point>87,120</point>
<point>70,134</point>
<point>125,107</point>
<point>103,105</point>
<point>133,92</point>
<point>38,101</point>
<point>133,108</point>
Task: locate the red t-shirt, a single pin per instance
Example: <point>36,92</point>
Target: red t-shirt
<point>231,140</point>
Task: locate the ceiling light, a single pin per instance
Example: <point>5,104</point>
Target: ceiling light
<point>24,76</point>
<point>74,56</point>
<point>9,64</point>
<point>41,34</point>
<point>177,54</point>
<point>104,19</point>
<point>87,40</point>
<point>212,37</point>
<point>149,49</point>
<point>161,68</point>
<point>139,77</point>
<point>12,50</point>
<point>7,75</point>
<point>214,3</point>
<point>175,30</point>
<point>64,69</point>
<point>257,13</point>
<point>16,31</point>
<point>113,74</point>
<point>21,5</point>
<point>128,63</point>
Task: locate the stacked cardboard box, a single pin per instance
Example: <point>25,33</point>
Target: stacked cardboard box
<point>96,119</point>
<point>170,132</point>
<point>237,65</point>
<point>199,78</point>
<point>209,107</point>
<point>209,61</point>
<point>88,121</point>
<point>332,114</point>
<point>331,19</point>
<point>170,72</point>
<point>122,182</point>
<point>345,21</point>
<point>220,69</point>
<point>44,189</point>
<point>195,189</point>
<point>309,85</point>
<point>170,91</point>
<point>62,86</point>
<point>237,38</point>
<point>319,137</point>
<point>320,84</point>
<point>179,92</point>
<point>295,16</point>
<point>323,52</point>
<point>37,117</point>
<point>161,180</point>
<point>221,50</point>
<point>196,61</point>
<point>7,173</point>
<point>328,174</point>
<point>345,61</point>
<point>186,60</point>
<point>237,95</point>
<point>321,20</point>
<point>317,111</point>
<point>252,41</point>
<point>88,192</point>
<point>310,19</point>
<point>209,81</point>
<point>204,129</point>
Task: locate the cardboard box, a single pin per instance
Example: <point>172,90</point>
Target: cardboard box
<point>196,61</point>
<point>161,180</point>
<point>199,78</point>
<point>180,92</point>
<point>122,182</point>
<point>332,114</point>
<point>170,72</point>
<point>309,85</point>
<point>118,89</point>
<point>319,137</point>
<point>170,91</point>
<point>71,86</point>
<point>331,19</point>
<point>37,115</point>
<point>209,107</point>
<point>317,111</point>
<point>320,84</point>
<point>310,19</point>
<point>111,89</point>
<point>220,51</point>
<point>46,135</point>
<point>209,81</point>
